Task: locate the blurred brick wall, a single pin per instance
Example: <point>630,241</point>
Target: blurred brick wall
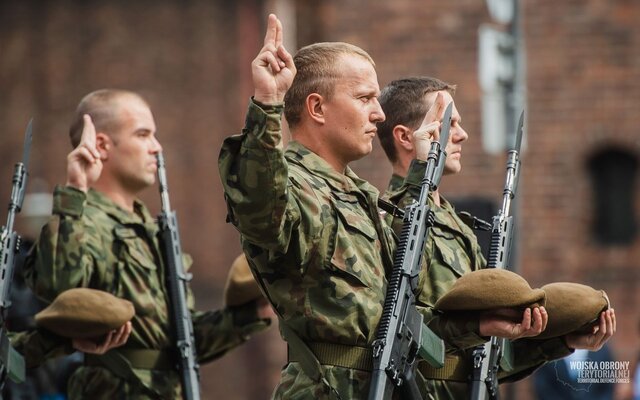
<point>583,88</point>
<point>191,60</point>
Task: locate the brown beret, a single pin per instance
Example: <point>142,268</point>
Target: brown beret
<point>82,313</point>
<point>572,307</point>
<point>240,287</point>
<point>488,289</point>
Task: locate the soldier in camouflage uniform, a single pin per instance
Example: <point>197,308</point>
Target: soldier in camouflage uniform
<point>452,248</point>
<point>310,227</point>
<point>100,236</point>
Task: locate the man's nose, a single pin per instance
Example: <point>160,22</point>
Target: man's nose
<point>459,134</point>
<point>156,146</point>
<point>377,115</point>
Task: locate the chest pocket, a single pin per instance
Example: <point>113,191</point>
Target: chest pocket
<point>136,276</point>
<point>134,249</point>
<point>356,249</point>
<point>449,252</point>
<point>353,217</point>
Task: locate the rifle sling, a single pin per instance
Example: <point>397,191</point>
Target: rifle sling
<point>455,369</point>
<point>339,355</point>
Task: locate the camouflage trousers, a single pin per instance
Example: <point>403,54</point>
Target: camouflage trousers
<point>447,390</point>
<point>351,384</point>
<point>97,383</point>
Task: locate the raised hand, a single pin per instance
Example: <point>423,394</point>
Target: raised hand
<point>593,341</point>
<point>115,338</point>
<point>273,69</point>
<point>502,324</point>
<point>429,129</point>
<point>83,163</point>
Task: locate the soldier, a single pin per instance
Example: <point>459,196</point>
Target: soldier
<point>413,107</point>
<point>310,227</point>
<point>102,237</point>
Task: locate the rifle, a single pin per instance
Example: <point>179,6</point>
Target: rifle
<point>487,358</point>
<point>12,362</point>
<point>177,281</point>
<point>402,335</point>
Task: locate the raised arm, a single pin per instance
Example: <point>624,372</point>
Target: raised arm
<point>61,258</point>
<point>252,167</point>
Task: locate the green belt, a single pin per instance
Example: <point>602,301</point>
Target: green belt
<point>138,358</point>
<point>339,355</point>
<point>455,369</point>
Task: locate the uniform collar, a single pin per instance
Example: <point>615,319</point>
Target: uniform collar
<point>446,214</point>
<point>140,215</point>
<point>316,165</point>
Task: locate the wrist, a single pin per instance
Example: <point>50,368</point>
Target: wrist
<point>76,185</point>
<point>268,99</point>
<point>567,342</point>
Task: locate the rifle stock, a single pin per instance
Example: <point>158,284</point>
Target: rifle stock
<point>177,280</point>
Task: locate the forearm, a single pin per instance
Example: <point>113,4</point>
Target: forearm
<point>254,176</point>
<point>39,345</point>
<point>458,332</point>
<point>217,332</point>
<point>60,259</point>
<point>530,354</point>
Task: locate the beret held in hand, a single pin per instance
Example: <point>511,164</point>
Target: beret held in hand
<point>241,287</point>
<point>490,288</point>
<point>83,313</point>
<point>572,307</point>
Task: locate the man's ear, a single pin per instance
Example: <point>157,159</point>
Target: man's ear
<point>403,137</point>
<point>314,107</point>
<point>103,145</point>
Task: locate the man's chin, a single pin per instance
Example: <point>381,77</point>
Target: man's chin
<point>452,170</point>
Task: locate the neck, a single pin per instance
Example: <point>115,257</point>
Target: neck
<point>402,163</point>
<point>115,193</point>
<point>324,152</point>
<point>436,197</point>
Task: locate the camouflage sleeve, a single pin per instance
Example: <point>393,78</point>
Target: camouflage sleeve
<point>217,332</point>
<point>459,332</point>
<point>254,175</point>
<point>530,354</point>
<point>38,345</point>
<point>413,180</point>
<point>61,260</point>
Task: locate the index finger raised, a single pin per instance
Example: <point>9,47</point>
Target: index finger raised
<point>436,111</point>
<point>88,130</point>
<point>88,138</point>
<point>272,30</point>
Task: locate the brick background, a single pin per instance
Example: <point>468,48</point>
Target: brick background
<point>191,60</point>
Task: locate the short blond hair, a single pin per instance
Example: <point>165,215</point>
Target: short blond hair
<point>104,108</point>
<point>317,68</point>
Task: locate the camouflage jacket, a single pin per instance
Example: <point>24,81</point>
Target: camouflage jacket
<point>315,239</point>
<point>395,184</point>
<point>91,242</point>
<point>452,250</point>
